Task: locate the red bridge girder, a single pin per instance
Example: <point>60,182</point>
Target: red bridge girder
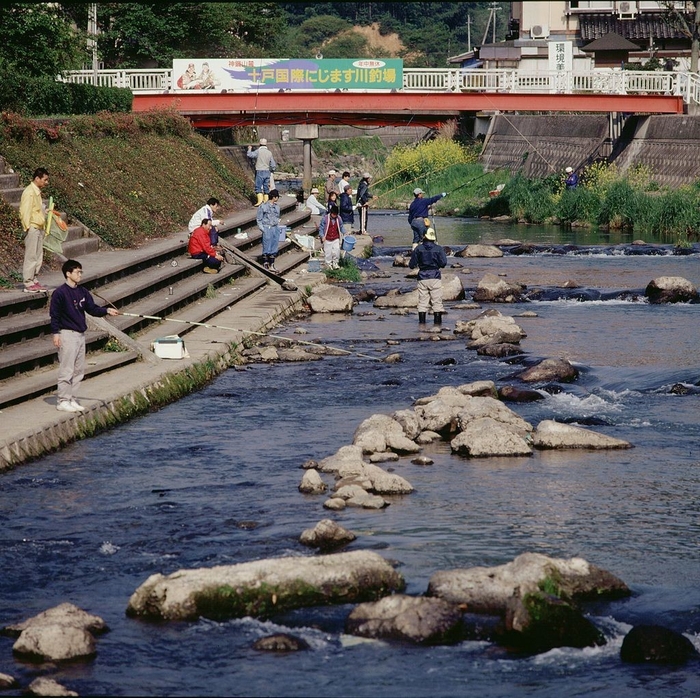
<point>385,108</point>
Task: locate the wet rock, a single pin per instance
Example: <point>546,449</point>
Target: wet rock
<point>440,414</point>
<point>539,622</point>
<point>386,483</point>
<point>656,644</point>
<point>7,681</point>
<point>492,288</point>
<point>446,362</point>
<point>267,354</point>
<point>385,457</point>
<point>365,295</point>
<point>452,287</point>
<point>570,283</point>
<point>490,327</point>
<point>264,587</point>
<point>682,389</point>
<point>394,358</point>
<point>334,504</point>
<point>550,434</point>
<point>427,437</point>
<point>348,491</point>
<point>345,458</point>
<point>367,501</point>
<point>401,260</point>
<point>326,535</point>
<point>330,299</point>
<point>301,330</point>
<point>66,614</point>
<point>499,350</point>
<point>408,619</point>
<point>422,460</point>
<point>488,589</point>
<point>510,393</point>
<point>527,313</point>
<point>671,289</point>
<point>485,437</point>
<point>487,407</point>
<point>400,311</point>
<point>480,251</point>
<point>55,643</point>
<point>48,687</point>
<point>281,642</point>
<point>383,433</point>
<point>409,421</point>
<point>357,480</point>
<point>550,370</point>
<point>395,299</point>
<point>311,483</point>
<point>294,354</point>
<point>309,464</point>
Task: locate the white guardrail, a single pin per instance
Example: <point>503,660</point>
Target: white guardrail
<point>600,81</point>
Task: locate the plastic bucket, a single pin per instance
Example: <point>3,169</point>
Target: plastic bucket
<point>348,243</point>
<point>314,265</point>
<point>282,233</point>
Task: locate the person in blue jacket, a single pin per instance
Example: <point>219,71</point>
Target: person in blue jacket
<point>429,257</point>
<point>417,211</point>
<point>571,178</point>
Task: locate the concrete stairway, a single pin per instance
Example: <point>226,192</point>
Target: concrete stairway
<point>157,280</point>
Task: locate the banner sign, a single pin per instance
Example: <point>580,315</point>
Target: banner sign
<point>561,55</point>
<point>275,74</point>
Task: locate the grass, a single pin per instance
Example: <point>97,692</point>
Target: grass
<point>348,271</point>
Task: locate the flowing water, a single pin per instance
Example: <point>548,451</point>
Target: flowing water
<point>213,480</point>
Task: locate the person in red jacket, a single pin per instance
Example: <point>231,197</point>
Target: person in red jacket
<point>200,247</point>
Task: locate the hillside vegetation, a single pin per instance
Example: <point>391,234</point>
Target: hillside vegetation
<point>127,177</point>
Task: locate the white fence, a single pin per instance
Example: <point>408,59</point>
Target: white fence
<point>600,81</point>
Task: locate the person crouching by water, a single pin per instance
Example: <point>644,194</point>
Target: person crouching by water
<point>69,303</point>
<point>330,233</point>
<point>200,247</point>
<point>268,220</point>
<point>429,257</point>
<point>418,212</point>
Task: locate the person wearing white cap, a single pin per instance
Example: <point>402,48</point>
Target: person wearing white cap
<point>418,211</point>
<point>429,257</point>
<point>364,196</point>
<point>331,184</point>
<point>571,178</point>
<point>312,203</point>
<point>264,165</point>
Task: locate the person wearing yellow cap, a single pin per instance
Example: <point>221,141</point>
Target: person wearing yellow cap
<point>429,257</point>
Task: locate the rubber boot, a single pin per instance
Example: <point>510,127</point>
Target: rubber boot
<point>265,197</point>
<point>260,200</point>
<point>266,260</point>
<point>421,318</point>
<point>437,318</point>
<point>272,264</point>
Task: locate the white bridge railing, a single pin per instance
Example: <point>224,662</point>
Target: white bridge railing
<point>600,81</point>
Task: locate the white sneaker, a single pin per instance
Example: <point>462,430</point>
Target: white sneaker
<point>66,406</point>
<point>77,406</point>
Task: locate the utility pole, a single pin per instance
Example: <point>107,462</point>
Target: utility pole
<point>92,39</point>
<point>469,32</point>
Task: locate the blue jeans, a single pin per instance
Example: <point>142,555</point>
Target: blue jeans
<point>271,239</point>
<point>262,181</point>
<point>418,227</point>
<point>211,262</point>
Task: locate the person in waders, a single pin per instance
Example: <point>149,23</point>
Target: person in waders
<point>429,257</point>
<point>268,219</point>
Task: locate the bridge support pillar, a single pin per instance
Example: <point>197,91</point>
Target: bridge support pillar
<point>307,133</point>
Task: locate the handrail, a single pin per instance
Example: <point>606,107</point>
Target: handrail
<point>599,80</point>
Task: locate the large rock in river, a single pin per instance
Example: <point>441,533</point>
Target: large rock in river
<point>551,434</point>
<point>330,299</point>
<point>550,370</point>
<point>488,589</point>
<point>264,587</point>
<point>670,289</point>
<point>656,644</point>
<point>498,290</point>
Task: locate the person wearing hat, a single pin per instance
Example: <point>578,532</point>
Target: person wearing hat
<point>571,178</point>
<point>364,196</point>
<point>264,165</point>
<point>313,204</point>
<point>331,184</point>
<point>418,212</point>
<point>268,220</point>
<point>429,257</point>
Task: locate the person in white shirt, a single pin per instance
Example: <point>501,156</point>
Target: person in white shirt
<point>314,204</point>
<point>344,182</point>
<point>209,211</point>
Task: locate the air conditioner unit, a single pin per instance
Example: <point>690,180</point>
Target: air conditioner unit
<point>626,9</point>
<point>539,31</point>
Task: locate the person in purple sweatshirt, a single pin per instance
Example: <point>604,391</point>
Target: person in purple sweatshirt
<point>69,303</point>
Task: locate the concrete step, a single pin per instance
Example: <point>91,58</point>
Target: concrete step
<point>75,249</point>
<point>12,196</point>
<point>9,181</point>
<point>30,385</point>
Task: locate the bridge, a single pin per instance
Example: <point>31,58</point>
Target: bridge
<point>428,96</point>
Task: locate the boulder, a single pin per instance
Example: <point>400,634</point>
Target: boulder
<point>66,614</point>
<point>550,370</point>
<point>499,350</point>
<point>656,644</point>
<point>670,289</point>
<point>55,643</point>
<point>7,681</point>
<point>334,504</point>
<point>367,501</point>
<point>485,437</point>
<point>381,433</point>
<point>539,622</point>
<point>452,287</point>
<point>488,589</point>
<point>265,587</point>
<point>326,535</point>
<point>550,434</point>
<point>330,299</point>
<point>44,686</point>
<point>384,482</point>
<point>483,406</point>
<point>510,393</point>
<point>294,354</point>
<point>478,389</point>
<point>311,483</point>
<point>409,421</point>
<point>281,642</point>
<point>496,290</point>
<point>441,414</point>
<point>345,458</point>
<point>491,327</point>
<point>480,251</point>
<point>406,618</point>
<point>396,299</point>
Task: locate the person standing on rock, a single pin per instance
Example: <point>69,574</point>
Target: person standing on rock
<point>418,211</point>
<point>429,257</point>
<point>200,247</point>
<point>364,196</point>
<point>264,165</point>
<point>209,210</point>
<point>31,213</point>
<point>268,220</point>
<point>69,303</point>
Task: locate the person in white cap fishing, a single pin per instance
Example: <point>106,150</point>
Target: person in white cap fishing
<point>429,257</point>
<point>418,212</point>
<point>264,165</point>
<point>571,178</point>
<point>364,196</point>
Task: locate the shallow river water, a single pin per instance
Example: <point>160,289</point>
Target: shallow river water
<point>213,480</point>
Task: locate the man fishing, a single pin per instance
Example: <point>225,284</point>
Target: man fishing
<point>429,257</point>
<point>418,211</point>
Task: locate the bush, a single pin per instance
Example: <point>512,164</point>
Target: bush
<point>578,204</point>
<point>413,162</point>
<point>619,207</point>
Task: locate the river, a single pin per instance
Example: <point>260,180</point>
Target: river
<point>213,480</point>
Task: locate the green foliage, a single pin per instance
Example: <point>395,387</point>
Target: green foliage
<point>113,345</point>
<point>530,200</point>
<point>619,209</point>
<point>370,148</point>
<point>414,162</point>
<point>578,204</point>
<point>316,30</point>
<point>348,271</point>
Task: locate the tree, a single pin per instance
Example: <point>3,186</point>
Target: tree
<point>689,25</point>
<point>38,39</point>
